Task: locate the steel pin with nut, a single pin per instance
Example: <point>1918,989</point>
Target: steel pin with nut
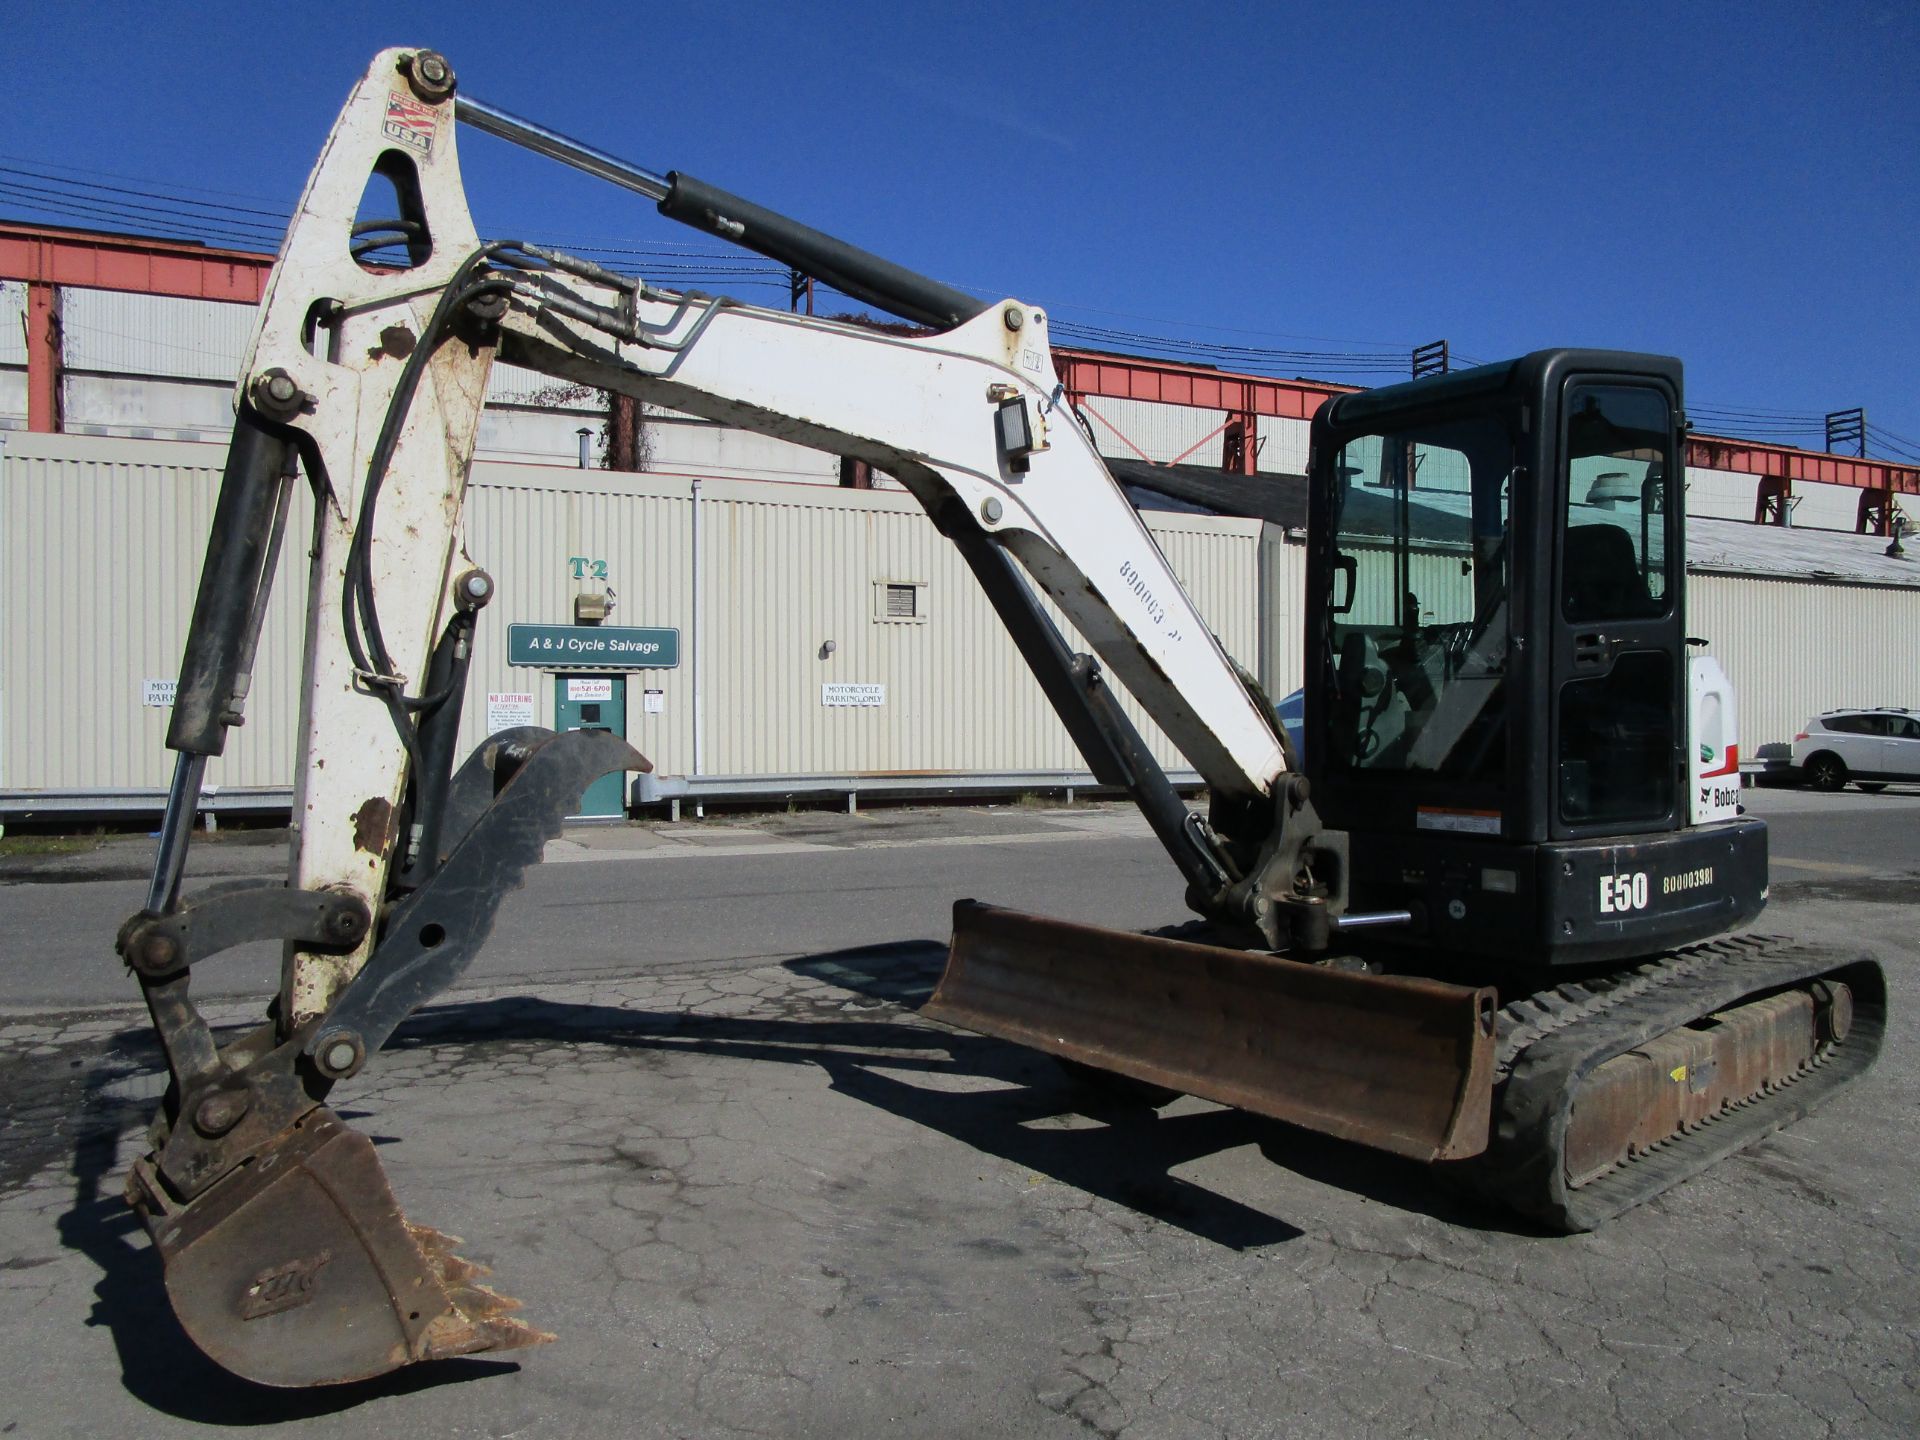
<point>277,395</point>
<point>429,75</point>
<point>340,1054</point>
<point>220,1112</point>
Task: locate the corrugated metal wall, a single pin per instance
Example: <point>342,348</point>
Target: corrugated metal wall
<point>126,334</point>
<point>524,524</point>
<point>784,569</point>
<point>101,541</point>
<point>1796,647</point>
<point>160,367</point>
<point>100,548</point>
<point>1729,495</point>
<point>1143,430</point>
<point>1283,586</point>
<point>13,326</point>
<point>13,355</point>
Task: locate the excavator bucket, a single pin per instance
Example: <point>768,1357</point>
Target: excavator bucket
<point>1405,1065</point>
<point>299,1269</point>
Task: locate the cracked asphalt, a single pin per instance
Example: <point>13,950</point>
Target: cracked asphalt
<point>755,1194</point>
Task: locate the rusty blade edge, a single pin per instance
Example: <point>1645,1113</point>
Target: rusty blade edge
<point>1402,1065</point>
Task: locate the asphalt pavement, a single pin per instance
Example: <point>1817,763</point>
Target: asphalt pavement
<point>685,1107</point>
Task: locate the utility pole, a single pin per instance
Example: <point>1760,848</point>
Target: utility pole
<point>1431,359</point>
<point>799,283</point>
<point>1847,427</point>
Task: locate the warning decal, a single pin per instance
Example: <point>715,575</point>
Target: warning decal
<point>410,122</point>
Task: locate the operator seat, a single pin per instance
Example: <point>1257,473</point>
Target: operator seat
<point>1602,578</point>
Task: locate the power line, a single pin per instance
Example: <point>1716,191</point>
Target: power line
<point>143,204</point>
<point>138,179</point>
<point>1762,412</point>
<point>31,174</point>
<point>1885,441</point>
<point>34,194</point>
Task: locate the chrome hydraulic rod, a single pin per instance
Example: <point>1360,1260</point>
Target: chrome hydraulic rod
<point>707,208</point>
<point>1373,920</point>
<point>176,828</point>
<point>536,137</point>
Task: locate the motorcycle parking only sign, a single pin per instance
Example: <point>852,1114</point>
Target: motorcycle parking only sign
<point>861,696</point>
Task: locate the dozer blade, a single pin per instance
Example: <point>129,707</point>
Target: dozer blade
<point>299,1269</point>
<point>1403,1065</point>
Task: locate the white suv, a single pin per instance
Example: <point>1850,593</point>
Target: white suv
<point>1868,747</point>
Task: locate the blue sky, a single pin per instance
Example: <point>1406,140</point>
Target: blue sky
<point>1735,184</point>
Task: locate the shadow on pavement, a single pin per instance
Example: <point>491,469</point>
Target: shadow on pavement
<point>856,1026</point>
<point>905,974</point>
<point>867,1049</point>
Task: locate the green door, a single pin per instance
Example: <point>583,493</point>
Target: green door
<point>595,702</point>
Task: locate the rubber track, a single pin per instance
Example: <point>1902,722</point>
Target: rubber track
<point>1551,1041</point>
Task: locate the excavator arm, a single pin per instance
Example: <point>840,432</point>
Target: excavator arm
<point>367,374</point>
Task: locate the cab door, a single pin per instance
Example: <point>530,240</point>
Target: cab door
<point>1617,673</point>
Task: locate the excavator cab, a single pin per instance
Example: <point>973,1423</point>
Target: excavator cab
<point>1498,675</point>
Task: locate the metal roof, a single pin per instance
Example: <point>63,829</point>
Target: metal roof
<point>1714,546</point>
<point>1736,547</point>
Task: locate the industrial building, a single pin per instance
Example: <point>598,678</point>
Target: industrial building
<point>798,627</point>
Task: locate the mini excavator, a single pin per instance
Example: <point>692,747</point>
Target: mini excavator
<point>1486,926</point>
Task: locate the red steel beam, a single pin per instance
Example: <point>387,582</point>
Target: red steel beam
<point>1168,382</point>
<point>44,256</point>
<point>98,261</point>
<point>44,352</point>
<point>1711,452</point>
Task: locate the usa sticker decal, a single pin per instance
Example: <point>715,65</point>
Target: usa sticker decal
<point>411,123</point>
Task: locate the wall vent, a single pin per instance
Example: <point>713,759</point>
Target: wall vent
<point>902,602</point>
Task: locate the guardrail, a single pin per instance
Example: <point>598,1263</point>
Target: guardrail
<point>647,791</point>
<point>84,804</point>
<point>672,790</point>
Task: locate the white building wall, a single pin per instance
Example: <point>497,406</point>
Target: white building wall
<point>1143,430</point>
<point>515,385</point>
<point>1284,444</point>
<point>1164,434</point>
<point>1283,588</point>
<point>101,540</point>
<point>1729,495</point>
<point>13,322</point>
<point>147,408</point>
<point>783,570</point>
<point>13,355</point>
<point>1720,494</point>
<point>100,550</point>
<point>688,446</point>
<point>147,366</point>
<point>538,437</point>
<point>1825,507</point>
<point>114,332</point>
<point>1796,647</point>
